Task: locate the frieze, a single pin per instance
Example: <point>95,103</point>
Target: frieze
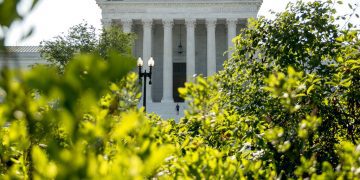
<point>139,16</point>
<point>179,9</point>
<point>185,9</point>
<point>129,6</point>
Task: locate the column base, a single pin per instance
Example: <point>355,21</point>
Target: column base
<point>167,100</point>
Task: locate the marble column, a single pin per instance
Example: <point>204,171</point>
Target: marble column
<point>126,25</point>
<point>231,26</point>
<point>168,61</point>
<point>147,51</point>
<point>190,48</point>
<point>211,46</point>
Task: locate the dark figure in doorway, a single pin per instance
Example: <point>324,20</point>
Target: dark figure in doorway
<point>177,109</point>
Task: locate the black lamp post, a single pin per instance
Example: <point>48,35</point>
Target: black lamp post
<point>144,75</point>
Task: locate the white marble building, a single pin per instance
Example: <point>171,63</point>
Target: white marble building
<point>185,37</point>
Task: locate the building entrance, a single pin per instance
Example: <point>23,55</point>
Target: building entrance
<point>179,79</point>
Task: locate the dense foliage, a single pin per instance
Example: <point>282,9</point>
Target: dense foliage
<point>286,105</point>
<point>300,75</point>
<point>82,38</point>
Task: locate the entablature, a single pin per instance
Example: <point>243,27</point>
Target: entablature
<point>179,9</point>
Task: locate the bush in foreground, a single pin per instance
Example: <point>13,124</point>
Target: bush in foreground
<point>285,106</point>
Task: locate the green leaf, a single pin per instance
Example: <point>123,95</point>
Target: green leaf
<point>182,91</point>
<point>346,82</point>
<point>310,89</point>
<point>352,61</point>
<point>301,95</point>
<point>291,71</point>
<point>355,67</point>
<point>340,39</point>
<point>340,59</point>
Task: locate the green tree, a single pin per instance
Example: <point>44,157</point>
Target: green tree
<point>82,38</point>
<point>113,38</point>
<point>322,84</point>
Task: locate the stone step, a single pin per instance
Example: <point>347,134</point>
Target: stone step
<point>167,110</point>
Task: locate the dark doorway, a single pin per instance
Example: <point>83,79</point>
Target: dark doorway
<point>179,80</point>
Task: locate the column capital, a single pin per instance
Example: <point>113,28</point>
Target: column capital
<point>168,23</point>
<point>190,23</point>
<point>147,23</point>
<point>126,21</point>
<point>211,23</point>
<point>106,22</point>
<point>126,24</point>
<point>232,21</point>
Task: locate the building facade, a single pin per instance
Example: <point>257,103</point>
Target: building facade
<point>20,57</point>
<point>185,37</point>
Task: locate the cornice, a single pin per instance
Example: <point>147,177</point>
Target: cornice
<point>177,3</point>
<point>199,16</point>
<point>174,1</point>
<point>22,49</point>
<point>181,8</point>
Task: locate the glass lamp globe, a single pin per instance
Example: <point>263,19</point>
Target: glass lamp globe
<point>140,62</point>
<point>151,62</point>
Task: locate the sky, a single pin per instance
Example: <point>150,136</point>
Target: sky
<point>53,17</point>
